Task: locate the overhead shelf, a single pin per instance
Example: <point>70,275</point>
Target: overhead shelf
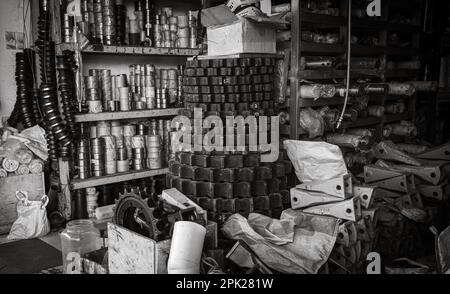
<point>130,50</point>
<point>116,178</point>
<point>126,115</point>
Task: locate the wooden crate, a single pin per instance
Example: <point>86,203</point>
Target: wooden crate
<point>130,253</point>
<point>32,183</point>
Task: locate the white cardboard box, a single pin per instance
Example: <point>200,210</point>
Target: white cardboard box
<point>229,34</point>
<point>242,36</point>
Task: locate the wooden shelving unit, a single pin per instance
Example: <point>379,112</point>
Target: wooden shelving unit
<point>385,50</point>
<point>131,50</point>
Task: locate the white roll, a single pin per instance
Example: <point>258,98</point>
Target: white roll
<point>186,248</point>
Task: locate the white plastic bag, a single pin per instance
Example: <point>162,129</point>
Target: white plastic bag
<point>315,161</point>
<point>31,220</point>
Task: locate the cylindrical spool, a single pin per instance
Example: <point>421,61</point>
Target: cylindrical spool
<point>153,141</point>
<point>129,130</point>
<point>103,129</point>
<point>93,131</point>
<point>186,248</point>
<point>138,142</point>
<point>123,166</point>
<point>154,160</point>
<point>117,132</point>
<point>124,104</point>
<point>94,106</point>
<point>183,21</point>
<point>111,167</point>
<point>91,82</point>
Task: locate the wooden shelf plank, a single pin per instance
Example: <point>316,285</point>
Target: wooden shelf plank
<point>117,178</point>
<point>126,115</point>
<point>129,50</point>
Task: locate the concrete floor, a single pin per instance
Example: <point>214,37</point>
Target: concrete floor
<point>51,239</point>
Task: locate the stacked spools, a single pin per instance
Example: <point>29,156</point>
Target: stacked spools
<point>84,161</point>
<point>224,183</point>
<point>121,18</point>
<point>92,94</point>
<point>91,201</point>
<point>98,21</point>
<point>109,21</point>
<point>116,148</point>
<point>67,28</point>
<point>24,109</point>
<point>66,84</point>
<point>97,157</point>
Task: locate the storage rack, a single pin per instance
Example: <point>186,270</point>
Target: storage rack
<point>382,26</point>
<point>69,184</point>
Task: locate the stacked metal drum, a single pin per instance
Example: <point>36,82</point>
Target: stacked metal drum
<point>109,21</point>
<point>67,28</point>
<point>97,33</point>
<point>116,148</point>
<point>92,94</point>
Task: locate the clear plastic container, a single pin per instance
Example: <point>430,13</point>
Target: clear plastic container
<point>80,236</point>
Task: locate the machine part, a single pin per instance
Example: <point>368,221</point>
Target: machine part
<point>371,215</point>
<point>345,209</point>
<point>133,213</point>
<point>365,194</point>
<point>362,231</point>
<point>438,153</point>
<point>343,236</point>
<point>317,91</point>
<point>302,198</point>
<point>388,151</point>
<point>373,173</point>
<point>438,192</point>
<point>430,174</point>
<point>10,165</point>
<point>425,86</point>
<point>339,187</point>
<point>411,149</point>
<point>401,89</point>
<point>347,140</point>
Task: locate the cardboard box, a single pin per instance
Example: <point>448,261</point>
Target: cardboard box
<point>230,34</point>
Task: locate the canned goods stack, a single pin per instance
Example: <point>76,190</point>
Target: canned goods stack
<point>121,18</point>
<point>91,199</point>
<point>97,157</point>
<point>183,31</point>
<point>109,21</point>
<point>83,164</point>
<point>92,94</point>
<point>154,157</point>
<point>98,21</point>
<point>138,152</point>
<point>192,30</point>
<point>110,154</point>
<point>67,29</point>
<point>106,87</point>
<point>87,16</point>
<point>129,131</point>
<point>147,12</point>
<point>143,85</point>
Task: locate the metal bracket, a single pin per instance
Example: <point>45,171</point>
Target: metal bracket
<point>302,198</point>
<point>372,214</point>
<point>404,183</point>
<point>438,153</point>
<point>373,173</point>
<point>340,187</point>
<point>438,192</point>
<point>243,256</point>
<point>358,250</point>
<point>416,199</point>
<point>362,231</point>
<point>344,210</point>
<point>385,150</point>
<point>431,173</point>
<point>337,255</point>
<point>404,202</point>
<point>365,194</point>
<point>343,237</point>
<point>380,193</point>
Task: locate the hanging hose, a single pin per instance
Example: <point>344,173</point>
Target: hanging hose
<point>349,51</point>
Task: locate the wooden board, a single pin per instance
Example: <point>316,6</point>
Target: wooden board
<point>33,184</point>
<point>130,253</point>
